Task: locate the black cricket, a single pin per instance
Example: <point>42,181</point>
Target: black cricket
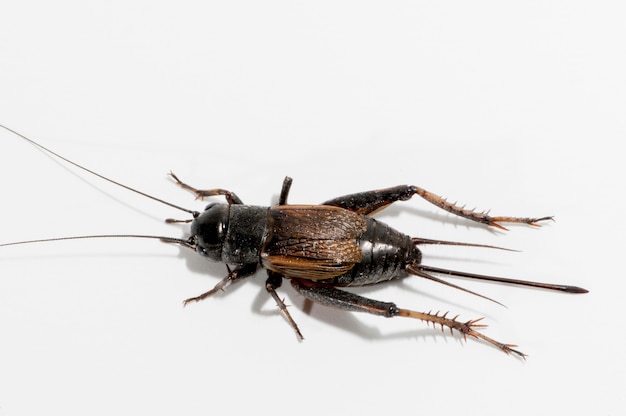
<point>322,248</point>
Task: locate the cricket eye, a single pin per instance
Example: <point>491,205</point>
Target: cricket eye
<point>210,230</point>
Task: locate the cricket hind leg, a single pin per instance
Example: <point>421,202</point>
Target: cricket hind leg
<point>368,203</point>
<point>347,301</point>
<point>273,282</point>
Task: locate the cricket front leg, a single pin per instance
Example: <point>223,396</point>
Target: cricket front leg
<point>347,301</point>
<point>233,276</point>
<point>368,203</point>
<point>231,197</point>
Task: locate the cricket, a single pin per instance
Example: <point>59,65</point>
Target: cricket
<point>322,250</point>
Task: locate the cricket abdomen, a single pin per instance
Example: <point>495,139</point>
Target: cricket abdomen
<point>385,253</point>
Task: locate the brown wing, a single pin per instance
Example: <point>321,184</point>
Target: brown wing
<point>312,242</point>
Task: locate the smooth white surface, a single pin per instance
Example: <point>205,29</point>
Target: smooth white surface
<point>514,106</point>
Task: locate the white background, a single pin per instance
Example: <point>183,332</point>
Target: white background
<point>516,106</point>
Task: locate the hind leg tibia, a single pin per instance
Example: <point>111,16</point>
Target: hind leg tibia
<point>347,301</point>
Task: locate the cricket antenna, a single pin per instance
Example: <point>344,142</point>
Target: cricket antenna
<point>189,243</point>
<point>45,149</point>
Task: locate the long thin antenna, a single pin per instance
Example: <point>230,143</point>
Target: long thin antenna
<point>193,213</point>
<point>182,242</point>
